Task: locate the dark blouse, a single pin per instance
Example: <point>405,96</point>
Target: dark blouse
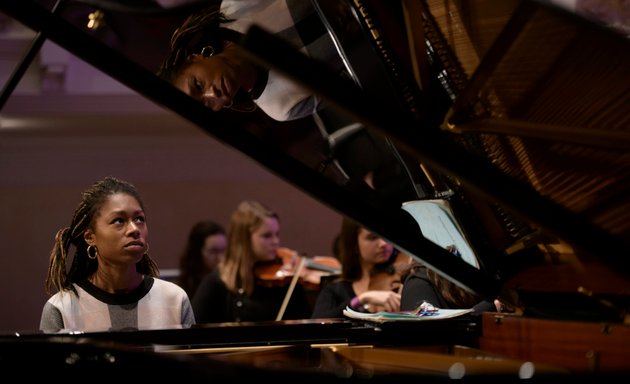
<point>333,298</point>
<point>418,288</point>
<point>213,303</point>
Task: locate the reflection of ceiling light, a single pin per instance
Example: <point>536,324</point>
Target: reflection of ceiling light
<point>97,19</point>
<point>13,124</point>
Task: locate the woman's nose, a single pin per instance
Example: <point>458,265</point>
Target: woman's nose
<point>214,99</point>
<point>210,99</point>
<point>133,227</point>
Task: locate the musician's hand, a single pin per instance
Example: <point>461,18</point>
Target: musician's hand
<point>376,301</point>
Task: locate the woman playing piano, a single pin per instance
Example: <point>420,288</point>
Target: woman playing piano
<point>111,284</point>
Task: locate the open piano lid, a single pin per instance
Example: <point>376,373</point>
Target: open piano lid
<point>526,136</point>
<point>528,144</point>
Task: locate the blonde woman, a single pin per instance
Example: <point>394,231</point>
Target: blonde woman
<point>233,293</point>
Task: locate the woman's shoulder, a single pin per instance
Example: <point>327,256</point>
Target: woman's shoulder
<point>213,277</point>
<point>64,296</point>
<point>211,284</point>
<point>167,287</point>
<point>418,274</point>
<point>338,285</point>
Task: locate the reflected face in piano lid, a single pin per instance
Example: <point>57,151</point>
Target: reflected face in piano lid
<point>265,239</point>
<point>215,79</point>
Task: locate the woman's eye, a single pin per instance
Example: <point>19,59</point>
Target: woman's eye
<point>140,219</point>
<point>198,86</point>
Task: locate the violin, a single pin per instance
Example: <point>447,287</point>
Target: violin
<point>390,276</point>
<point>289,268</point>
<point>282,270</point>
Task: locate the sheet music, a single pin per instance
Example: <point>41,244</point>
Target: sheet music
<point>439,225</point>
<point>382,317</point>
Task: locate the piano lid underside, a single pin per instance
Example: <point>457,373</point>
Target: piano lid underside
<point>544,96</point>
<point>548,105</point>
<point>542,111</point>
<point>527,105</point>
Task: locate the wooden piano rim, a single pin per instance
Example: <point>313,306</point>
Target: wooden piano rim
<point>176,350</point>
<point>462,361</point>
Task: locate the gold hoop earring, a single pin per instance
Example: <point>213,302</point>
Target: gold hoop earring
<point>228,106</point>
<point>95,252</point>
<point>207,51</point>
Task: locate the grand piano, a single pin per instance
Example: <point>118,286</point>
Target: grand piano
<point>512,117</point>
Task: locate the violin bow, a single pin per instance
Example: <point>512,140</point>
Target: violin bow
<point>294,280</point>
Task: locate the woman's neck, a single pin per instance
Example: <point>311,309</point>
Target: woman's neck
<point>247,71</point>
<point>115,282</point>
<point>262,76</point>
<point>362,284</point>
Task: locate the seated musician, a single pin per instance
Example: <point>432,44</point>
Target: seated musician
<point>204,249</point>
<point>366,283</point>
<point>233,292</point>
<point>112,284</point>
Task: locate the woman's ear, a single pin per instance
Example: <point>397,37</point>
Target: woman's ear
<point>88,236</point>
<point>193,57</point>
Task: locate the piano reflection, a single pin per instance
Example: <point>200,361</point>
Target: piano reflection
<point>512,116</point>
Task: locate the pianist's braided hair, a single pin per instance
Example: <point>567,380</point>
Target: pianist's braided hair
<point>200,31</point>
<point>83,266</point>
